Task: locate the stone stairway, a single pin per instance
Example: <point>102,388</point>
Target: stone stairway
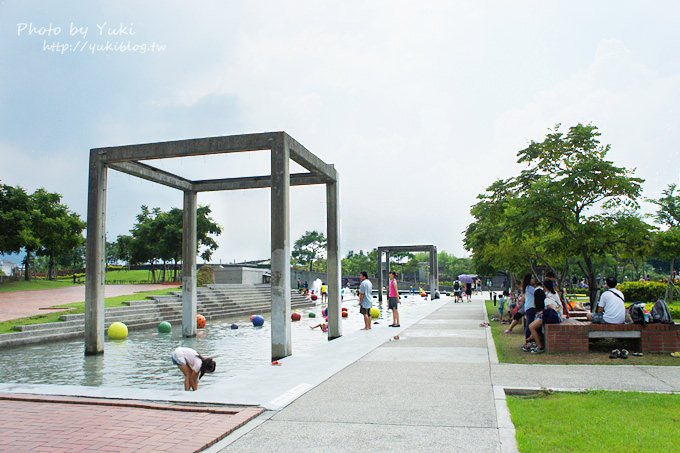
<point>213,302</point>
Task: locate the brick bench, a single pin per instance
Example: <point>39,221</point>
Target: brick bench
<point>569,337</point>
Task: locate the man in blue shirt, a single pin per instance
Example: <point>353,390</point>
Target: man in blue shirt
<point>365,299</point>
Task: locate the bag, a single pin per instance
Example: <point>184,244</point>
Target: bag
<point>456,286</point>
<point>661,313</point>
<point>637,313</point>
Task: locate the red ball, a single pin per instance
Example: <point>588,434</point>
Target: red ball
<point>314,297</point>
<point>345,314</point>
<point>252,317</point>
<point>344,308</point>
<point>423,294</point>
<point>296,316</point>
<point>200,321</point>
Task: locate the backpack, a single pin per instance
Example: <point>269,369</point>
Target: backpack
<point>661,313</point>
<point>637,313</point>
<point>456,286</point>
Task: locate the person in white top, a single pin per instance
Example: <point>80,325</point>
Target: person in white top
<point>192,365</point>
<point>611,308</point>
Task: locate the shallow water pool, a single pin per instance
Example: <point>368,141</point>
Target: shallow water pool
<point>142,360</point>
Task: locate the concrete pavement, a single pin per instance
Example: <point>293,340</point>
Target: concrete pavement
<point>437,387</point>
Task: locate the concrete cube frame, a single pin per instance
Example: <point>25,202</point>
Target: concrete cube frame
<point>434,264</point>
<point>283,148</point>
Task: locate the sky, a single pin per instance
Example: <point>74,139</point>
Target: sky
<point>419,105</point>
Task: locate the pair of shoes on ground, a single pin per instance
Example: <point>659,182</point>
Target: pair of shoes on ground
<point>537,350</point>
<point>395,325</point>
<point>616,354</point>
<point>529,346</point>
<point>675,354</point>
<point>484,324</point>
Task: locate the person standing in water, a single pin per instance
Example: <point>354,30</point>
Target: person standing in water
<point>193,365</point>
<point>365,299</point>
<point>393,299</point>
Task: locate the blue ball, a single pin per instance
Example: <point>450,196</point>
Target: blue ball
<point>234,326</point>
<point>258,321</point>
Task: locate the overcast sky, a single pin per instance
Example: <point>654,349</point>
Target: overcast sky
<point>420,105</point>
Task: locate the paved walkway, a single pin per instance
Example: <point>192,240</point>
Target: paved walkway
<point>437,387</point>
<point>19,304</point>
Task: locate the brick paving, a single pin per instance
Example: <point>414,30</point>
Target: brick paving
<point>67,424</point>
<point>19,304</point>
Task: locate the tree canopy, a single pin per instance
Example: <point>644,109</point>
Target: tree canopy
<point>309,248</point>
<point>569,203</point>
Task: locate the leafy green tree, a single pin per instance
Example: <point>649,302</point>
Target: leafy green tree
<point>566,203</point>
<point>667,243</point>
<point>16,224</point>
<point>354,263</point>
<point>309,248</point>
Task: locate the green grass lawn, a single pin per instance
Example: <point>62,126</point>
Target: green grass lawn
<point>22,285</point>
<point>596,421</point>
<point>508,348</point>
<point>117,276</point>
<point>77,307</point>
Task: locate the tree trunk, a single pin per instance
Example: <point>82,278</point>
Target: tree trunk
<point>593,290</point>
<point>27,265</point>
<point>51,268</point>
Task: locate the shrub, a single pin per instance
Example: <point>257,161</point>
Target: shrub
<point>642,291</point>
<point>205,276</point>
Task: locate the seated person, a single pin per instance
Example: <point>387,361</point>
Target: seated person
<point>551,314</point>
<point>611,308</point>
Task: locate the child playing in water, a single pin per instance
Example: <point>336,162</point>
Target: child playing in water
<point>323,326</point>
<point>192,365</point>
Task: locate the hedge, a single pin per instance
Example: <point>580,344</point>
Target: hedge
<point>643,291</point>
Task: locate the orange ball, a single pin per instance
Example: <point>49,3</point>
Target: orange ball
<point>345,314</point>
<point>200,321</point>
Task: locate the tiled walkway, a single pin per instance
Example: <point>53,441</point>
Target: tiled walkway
<point>68,424</point>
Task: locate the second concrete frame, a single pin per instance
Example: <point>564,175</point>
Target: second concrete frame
<point>283,147</point>
<point>434,264</point>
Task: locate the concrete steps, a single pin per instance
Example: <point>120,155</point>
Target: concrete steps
<point>213,302</point>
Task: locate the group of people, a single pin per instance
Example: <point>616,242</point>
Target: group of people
<point>366,299</point>
<point>543,303</point>
<point>460,290</point>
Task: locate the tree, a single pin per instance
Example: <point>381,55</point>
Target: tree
<point>16,224</point>
<point>355,263</point>
<point>157,236</point>
<point>567,203</point>
<point>667,243</point>
<point>309,248</point>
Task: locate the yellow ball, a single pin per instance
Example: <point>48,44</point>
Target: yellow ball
<point>118,331</point>
<point>375,312</point>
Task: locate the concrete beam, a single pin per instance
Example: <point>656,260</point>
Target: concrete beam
<point>254,182</point>
<point>95,256</point>
<point>333,261</point>
<point>302,156</point>
<point>189,238</point>
<point>280,247</point>
<point>380,275</point>
<point>191,147</point>
<point>152,174</point>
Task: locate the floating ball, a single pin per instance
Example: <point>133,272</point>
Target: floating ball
<point>314,297</point>
<point>344,308</point>
<point>312,314</point>
<point>234,326</point>
<point>296,316</point>
<point>118,331</point>
<point>252,317</point>
<point>345,314</point>
<point>258,321</point>
<point>200,321</point>
<point>423,294</point>
<point>164,327</point>
<point>375,312</point>
<point>324,312</point>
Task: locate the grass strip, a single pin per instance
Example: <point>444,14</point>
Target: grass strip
<point>509,349</point>
<point>78,307</point>
<point>596,421</point>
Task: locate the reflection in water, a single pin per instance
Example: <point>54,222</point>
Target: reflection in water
<point>142,360</point>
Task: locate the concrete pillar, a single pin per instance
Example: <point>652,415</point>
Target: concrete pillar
<point>387,270</point>
<point>380,275</point>
<point>433,270</point>
<point>189,302</point>
<point>334,263</point>
<point>95,256</point>
<point>436,269</point>
<point>280,246</point>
